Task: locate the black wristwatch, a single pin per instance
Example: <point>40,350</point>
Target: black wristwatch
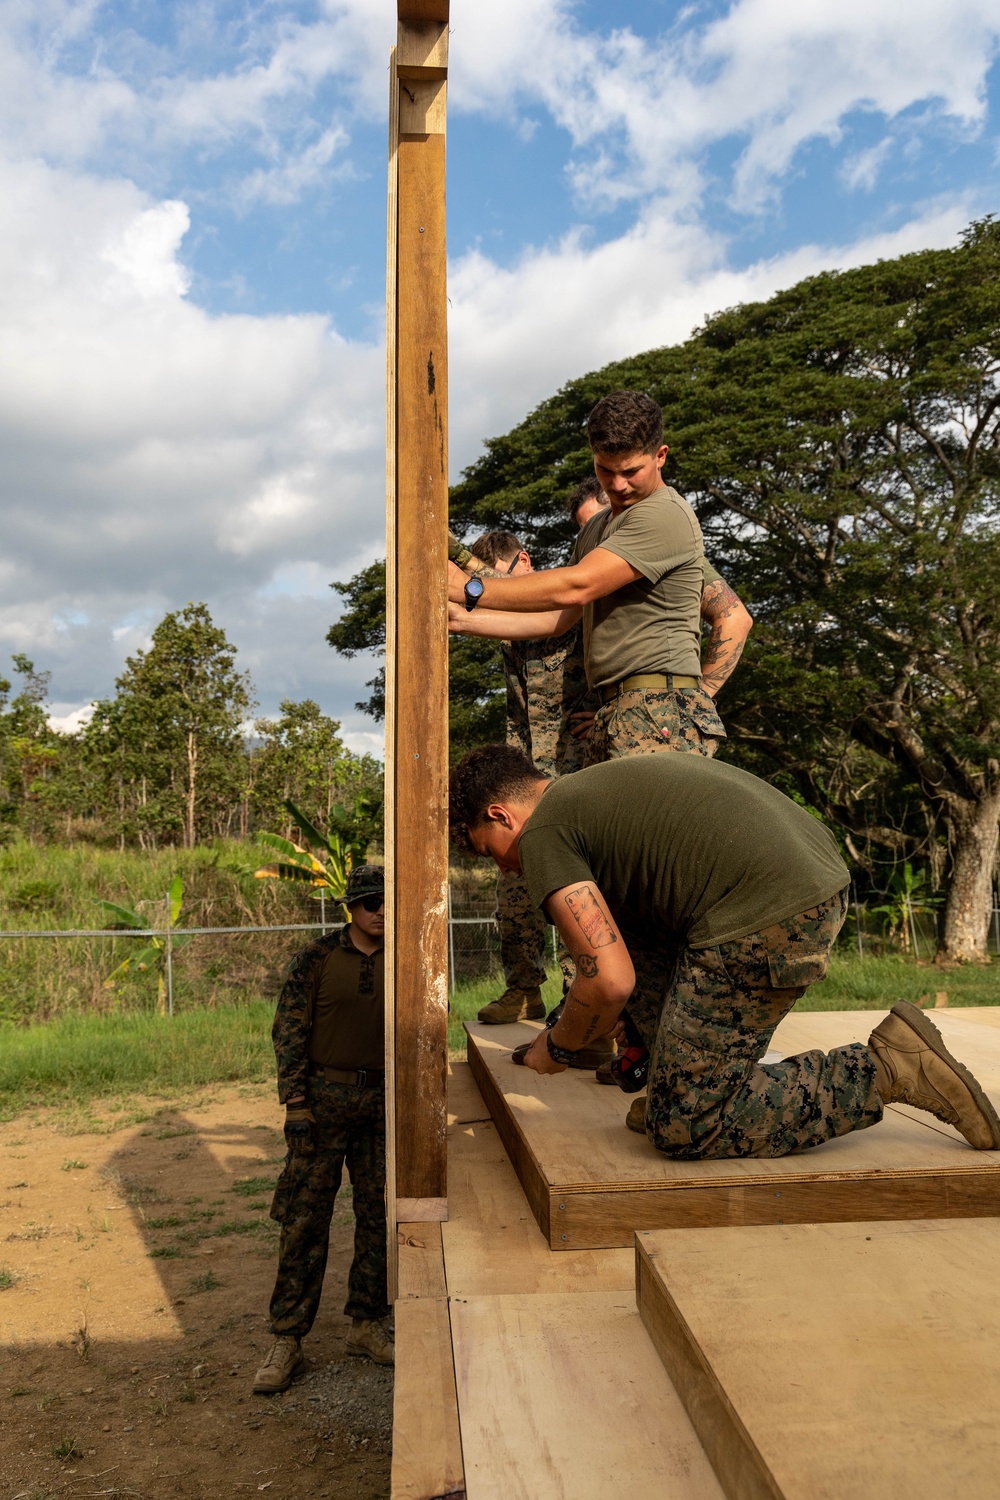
<point>559,1054</point>
<point>473,592</point>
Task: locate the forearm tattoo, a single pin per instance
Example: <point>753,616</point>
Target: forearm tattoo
<point>586,966</point>
<point>589,918</point>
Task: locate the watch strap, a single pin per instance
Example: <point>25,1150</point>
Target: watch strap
<point>559,1054</point>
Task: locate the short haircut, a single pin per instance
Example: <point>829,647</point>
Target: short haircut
<point>590,489</point>
<point>495,547</point>
<point>490,773</point>
<point>625,422</point>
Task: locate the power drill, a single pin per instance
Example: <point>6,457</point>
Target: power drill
<point>631,1067</point>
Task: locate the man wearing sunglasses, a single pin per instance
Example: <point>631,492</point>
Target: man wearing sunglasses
<point>329,1040</point>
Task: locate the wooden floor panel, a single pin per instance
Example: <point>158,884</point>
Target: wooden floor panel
<point>590,1182</point>
<point>834,1361</point>
<point>563,1397</point>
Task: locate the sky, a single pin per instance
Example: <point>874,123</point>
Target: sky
<point>192,265</point>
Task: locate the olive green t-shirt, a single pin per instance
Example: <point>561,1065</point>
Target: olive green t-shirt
<point>683,843</point>
<point>653,624</point>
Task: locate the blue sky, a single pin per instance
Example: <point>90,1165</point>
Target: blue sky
<point>191,298</point>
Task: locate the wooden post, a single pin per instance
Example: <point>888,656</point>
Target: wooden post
<point>416,761</point>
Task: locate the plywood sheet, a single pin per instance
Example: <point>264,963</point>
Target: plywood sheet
<point>820,1362</point>
<point>590,1182</point>
<point>426,1445</point>
<point>562,1397</point>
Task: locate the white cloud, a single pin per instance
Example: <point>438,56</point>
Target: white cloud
<point>155,453</point>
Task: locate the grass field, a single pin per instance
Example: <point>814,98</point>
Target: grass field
<point>75,1059</point>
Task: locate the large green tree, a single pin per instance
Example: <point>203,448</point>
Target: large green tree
<point>841,442</point>
<point>170,742</point>
<point>300,757</point>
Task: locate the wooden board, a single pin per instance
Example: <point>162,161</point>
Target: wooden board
<point>562,1397</point>
<point>827,1362</point>
<point>491,1241</point>
<point>590,1182</point>
<point>426,1444</point>
<point>416,618</point>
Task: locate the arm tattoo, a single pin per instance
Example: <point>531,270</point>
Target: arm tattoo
<point>586,966</point>
<point>589,918</point>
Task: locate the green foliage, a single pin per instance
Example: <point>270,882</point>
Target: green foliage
<point>476,694</point>
<point>170,739</point>
<point>909,896</point>
<point>335,854</point>
<point>153,957</point>
<point>841,443</point>
<point>42,978</point>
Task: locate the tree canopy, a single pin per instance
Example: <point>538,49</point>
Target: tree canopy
<point>841,444</point>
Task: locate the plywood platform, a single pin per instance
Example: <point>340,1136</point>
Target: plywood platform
<point>590,1182</point>
<point>523,1375</point>
<point>834,1361</point>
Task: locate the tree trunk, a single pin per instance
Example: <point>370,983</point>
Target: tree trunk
<point>966,924</point>
<point>192,760</point>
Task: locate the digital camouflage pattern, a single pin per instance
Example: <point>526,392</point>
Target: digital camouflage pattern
<point>709,1096</point>
<point>544,689</point>
<point>350,1127</point>
<point>641,720</point>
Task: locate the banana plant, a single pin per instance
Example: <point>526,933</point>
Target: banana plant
<point>331,857</point>
<point>154,955</point>
<point>909,896</point>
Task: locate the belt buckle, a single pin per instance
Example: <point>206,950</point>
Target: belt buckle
<point>362,1078</point>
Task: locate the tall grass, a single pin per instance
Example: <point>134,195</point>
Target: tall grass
<point>56,887</point>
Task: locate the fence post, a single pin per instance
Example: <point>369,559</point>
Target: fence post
<point>451,946</point>
<point>170,965</point>
<point>322,913</point>
<point>857,919</point>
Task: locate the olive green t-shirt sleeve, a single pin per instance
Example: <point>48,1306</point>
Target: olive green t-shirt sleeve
<point>655,536</point>
<point>551,859</point>
<point>710,575</point>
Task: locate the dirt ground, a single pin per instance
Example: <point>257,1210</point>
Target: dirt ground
<point>136,1263</point>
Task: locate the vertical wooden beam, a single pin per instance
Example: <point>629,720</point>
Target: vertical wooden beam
<point>416,621</point>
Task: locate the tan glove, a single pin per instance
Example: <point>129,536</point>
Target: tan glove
<point>300,1129</point>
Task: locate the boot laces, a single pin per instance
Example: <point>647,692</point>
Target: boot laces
<point>933,1103</point>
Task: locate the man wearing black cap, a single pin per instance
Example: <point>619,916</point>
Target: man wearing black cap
<point>328,1038</point>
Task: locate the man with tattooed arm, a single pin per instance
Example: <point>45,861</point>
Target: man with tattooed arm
<point>622,854</point>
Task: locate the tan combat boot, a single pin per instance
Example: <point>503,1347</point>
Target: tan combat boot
<point>514,1005</point>
<point>368,1338</point>
<point>913,1066</point>
<point>636,1117</point>
<point>603,1074</point>
<point>596,1054</point>
<point>280,1368</point>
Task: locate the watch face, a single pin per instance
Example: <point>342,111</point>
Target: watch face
<point>475,588</point>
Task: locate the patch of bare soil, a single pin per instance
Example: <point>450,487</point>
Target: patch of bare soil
<point>136,1266</point>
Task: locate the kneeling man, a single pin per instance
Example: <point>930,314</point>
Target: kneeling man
<point>624,853</point>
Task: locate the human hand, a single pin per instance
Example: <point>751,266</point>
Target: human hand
<point>300,1135</point>
<point>456,583</point>
<point>583,725</point>
<point>535,1055</point>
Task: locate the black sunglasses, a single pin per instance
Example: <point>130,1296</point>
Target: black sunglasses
<point>517,559</point>
<point>373,903</point>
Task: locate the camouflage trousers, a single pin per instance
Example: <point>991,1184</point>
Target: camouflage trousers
<point>524,935</point>
<point>641,721</point>
<point>350,1127</point>
<point>709,1094</point>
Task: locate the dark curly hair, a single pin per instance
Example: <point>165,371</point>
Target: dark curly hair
<point>589,489</point>
<point>625,422</point>
<point>490,773</point>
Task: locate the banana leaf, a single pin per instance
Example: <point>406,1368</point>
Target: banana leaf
<point>125,917</point>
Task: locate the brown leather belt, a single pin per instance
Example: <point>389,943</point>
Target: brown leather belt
<point>361,1078</point>
<point>654,682</point>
